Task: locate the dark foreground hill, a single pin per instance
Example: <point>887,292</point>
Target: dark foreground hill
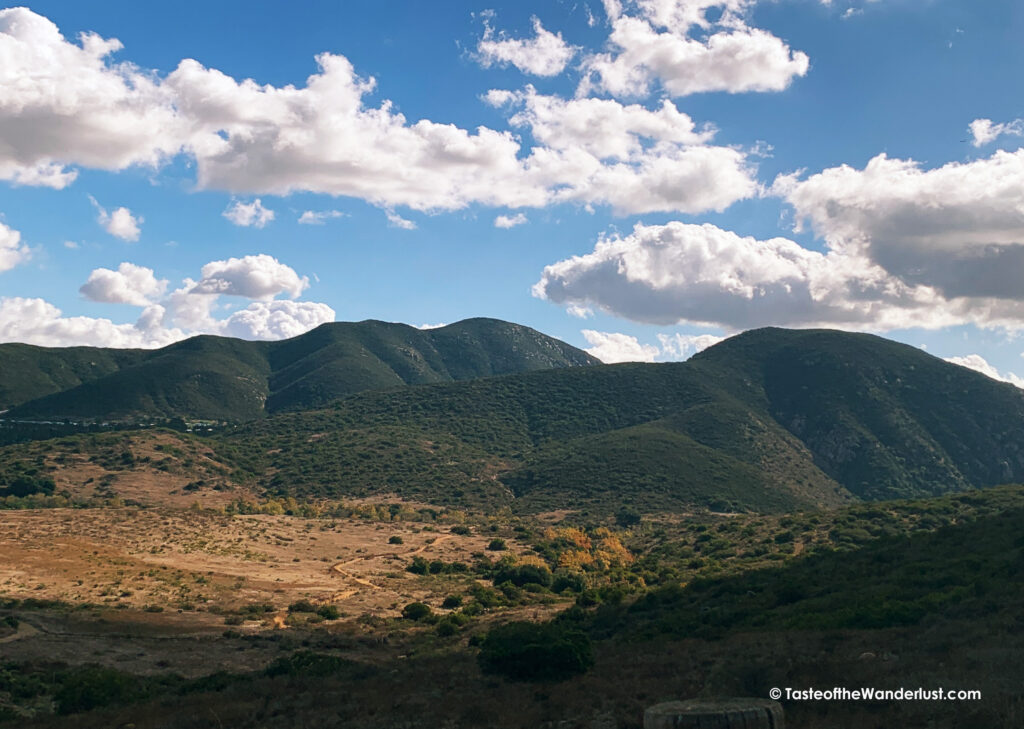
<point>218,378</point>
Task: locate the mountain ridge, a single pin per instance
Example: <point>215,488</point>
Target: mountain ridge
<point>222,378</point>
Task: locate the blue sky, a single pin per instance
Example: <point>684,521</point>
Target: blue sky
<point>668,171</point>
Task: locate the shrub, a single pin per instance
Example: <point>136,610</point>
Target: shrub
<point>461,530</point>
<point>536,652</point>
<point>446,628</point>
<point>419,566</point>
<point>416,611</point>
<point>396,540</point>
<point>497,545</point>
<point>451,602</point>
<point>302,606</point>
<point>92,687</point>
<point>306,663</point>
<point>329,612</point>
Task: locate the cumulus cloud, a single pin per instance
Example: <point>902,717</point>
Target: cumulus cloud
<point>631,158</point>
<point>701,274</point>
<point>984,131</point>
<point>979,364</point>
<point>129,284</point>
<point>546,54</point>
<point>683,346</point>
<point>958,228</point>
<point>120,223</point>
<point>254,277</point>
<point>64,104</point>
<point>12,251</point>
<point>657,43</point>
<point>311,217</point>
<point>611,347</point>
<point>509,221</point>
<point>248,214</point>
<point>186,311</point>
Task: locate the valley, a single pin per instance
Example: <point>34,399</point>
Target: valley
<point>787,508</point>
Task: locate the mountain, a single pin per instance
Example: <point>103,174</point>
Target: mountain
<point>218,378</point>
<point>770,420</point>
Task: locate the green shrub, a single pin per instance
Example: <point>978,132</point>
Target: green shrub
<point>446,628</point>
<point>306,663</point>
<point>329,612</point>
<point>396,540</point>
<point>452,602</point>
<point>416,611</point>
<point>497,545</point>
<point>91,687</point>
<point>302,606</point>
<point>536,652</point>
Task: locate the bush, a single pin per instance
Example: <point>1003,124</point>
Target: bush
<point>461,530</point>
<point>416,611</point>
<point>446,628</point>
<point>451,602</point>
<point>306,663</point>
<point>536,652</point>
<point>419,566</point>
<point>302,606</point>
<point>329,612</point>
<point>92,687</point>
<point>396,540</point>
<point>497,545</point>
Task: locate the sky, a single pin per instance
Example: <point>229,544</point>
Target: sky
<point>637,177</point>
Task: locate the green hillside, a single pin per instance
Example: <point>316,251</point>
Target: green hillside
<point>218,378</point>
<point>770,420</point>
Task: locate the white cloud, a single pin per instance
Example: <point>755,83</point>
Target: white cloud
<point>311,217</point>
<point>64,104</point>
<point>120,223</point>
<point>166,318</point>
<point>598,151</point>
<point>984,131</point>
<point>35,321</point>
<point>12,251</point>
<point>980,364</point>
<point>129,284</point>
<point>701,274</point>
<point>546,54</point>
<point>271,320</point>
<point>958,228</point>
<point>509,221</point>
<point>254,277</point>
<point>397,221</point>
<point>249,214</point>
<point>683,346</point>
<point>431,326</point>
<point>655,45</point>
<point>611,348</point>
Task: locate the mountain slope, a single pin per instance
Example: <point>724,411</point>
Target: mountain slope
<point>769,420</point>
<point>219,378</point>
<point>882,418</point>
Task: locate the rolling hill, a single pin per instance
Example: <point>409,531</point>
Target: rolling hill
<point>218,378</point>
<point>771,420</point>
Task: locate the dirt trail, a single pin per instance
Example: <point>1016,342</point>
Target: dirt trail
<point>339,568</point>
